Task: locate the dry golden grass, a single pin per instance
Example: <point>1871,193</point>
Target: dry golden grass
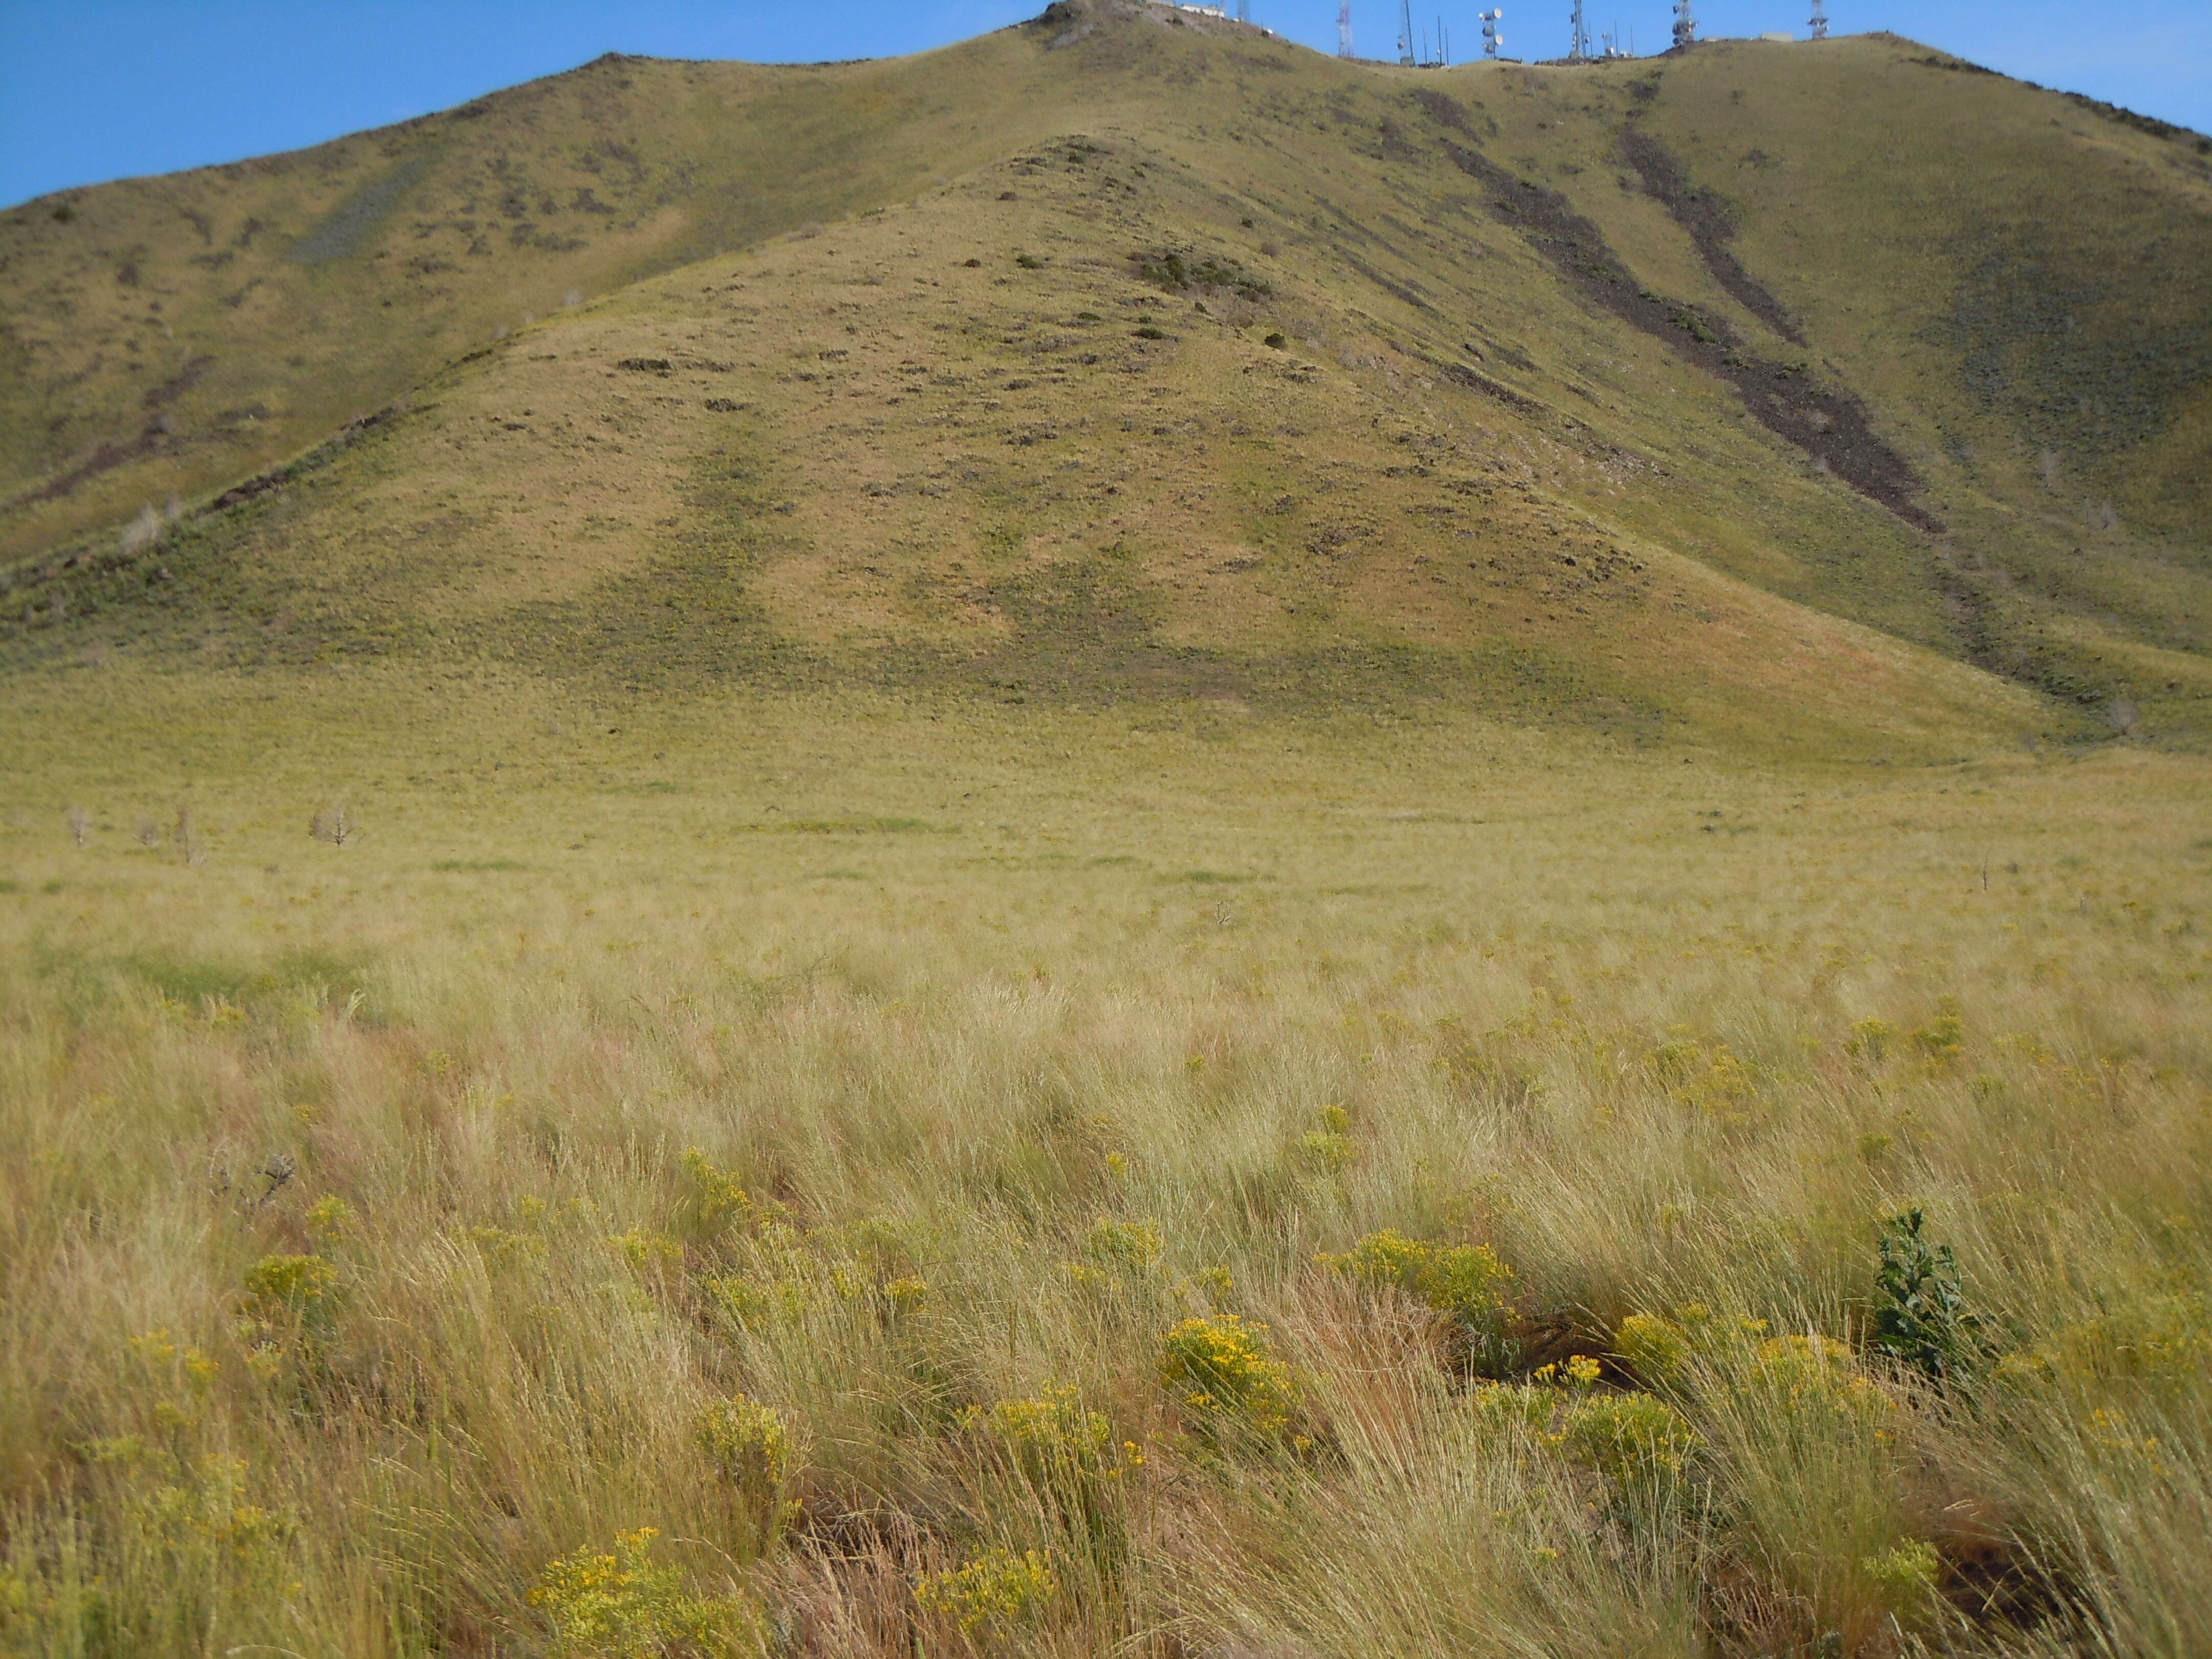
<point>1005,1040</point>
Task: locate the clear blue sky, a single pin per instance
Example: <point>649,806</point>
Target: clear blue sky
<point>96,89</point>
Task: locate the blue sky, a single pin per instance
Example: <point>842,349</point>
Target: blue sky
<point>96,89</point>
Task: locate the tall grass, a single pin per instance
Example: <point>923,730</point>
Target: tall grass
<point>615,1168</point>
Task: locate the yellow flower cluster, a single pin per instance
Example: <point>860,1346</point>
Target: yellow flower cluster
<point>715,1196</point>
<point>1710,1078</point>
<point>1050,1438</point>
<point>622,1606</point>
<point>747,1442</point>
<point>1328,1147</point>
<point>997,1588</point>
<point>1467,1281</point>
<point>645,1251</point>
<point>1130,1247</point>
<point>1221,1369</point>
<point>288,1282</point>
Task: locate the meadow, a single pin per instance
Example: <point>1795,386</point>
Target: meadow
<point>912,1175</point>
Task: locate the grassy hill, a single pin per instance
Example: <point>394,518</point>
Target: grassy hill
<point>1835,326</point>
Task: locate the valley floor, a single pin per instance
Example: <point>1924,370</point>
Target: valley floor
<point>842,1176</point>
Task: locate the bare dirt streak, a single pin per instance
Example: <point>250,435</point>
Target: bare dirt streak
<point>1711,227</point>
<point>1829,425</point>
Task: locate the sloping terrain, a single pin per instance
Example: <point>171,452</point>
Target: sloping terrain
<point>1644,393</point>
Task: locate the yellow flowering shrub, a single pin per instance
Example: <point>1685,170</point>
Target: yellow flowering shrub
<point>278,1284</point>
<point>906,1294</point>
<point>645,1251</point>
<point>749,1445</point>
<point>1631,1438</point>
<point>204,1509</point>
<point>1870,1040</point>
<point>747,1442</point>
<point>1000,1589</point>
<point>1655,1349</point>
<point>1221,1370</point>
<point>1129,1246</point>
<point>1904,1577</point>
<point>1580,1373</point>
<point>1328,1147</point>
<point>622,1606</point>
<point>1819,1383</point>
<point>291,1291</point>
<point>331,1219</point>
<point>1050,1438</point>
<point>716,1198</point>
<point>2150,1340</point>
<point>1942,1039</point>
<point>1709,1077</point>
<point>1506,1409</point>
<point>1467,1281</point>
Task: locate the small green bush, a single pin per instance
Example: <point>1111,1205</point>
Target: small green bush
<point>1921,1320</point>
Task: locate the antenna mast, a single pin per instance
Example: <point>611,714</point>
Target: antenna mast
<point>1492,39</point>
<point>1344,29</point>
<point>1406,32</point>
<point>1686,24</point>
<point>1578,48</point>
<point>1819,20</point>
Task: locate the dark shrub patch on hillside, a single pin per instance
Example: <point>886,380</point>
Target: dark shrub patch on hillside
<point>1212,274</point>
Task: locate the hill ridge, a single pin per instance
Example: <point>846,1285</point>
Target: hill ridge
<point>1498,235</point>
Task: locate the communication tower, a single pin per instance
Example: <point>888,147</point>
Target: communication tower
<point>1243,11</point>
<point>1819,20</point>
<point>1492,38</point>
<point>1406,32</point>
<point>1578,49</point>
<point>1344,29</point>
<point>1686,24</point>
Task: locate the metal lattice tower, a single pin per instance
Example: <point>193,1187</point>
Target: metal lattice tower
<point>1406,32</point>
<point>1492,39</point>
<point>1579,47</point>
<point>1819,20</point>
<point>1686,24</point>
<point>1344,29</point>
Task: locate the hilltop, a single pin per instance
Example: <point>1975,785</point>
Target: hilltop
<point>1746,389</point>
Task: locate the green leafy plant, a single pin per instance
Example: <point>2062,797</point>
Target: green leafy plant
<point>1921,1319</point>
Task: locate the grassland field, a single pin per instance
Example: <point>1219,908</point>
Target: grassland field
<point>390,1226</point>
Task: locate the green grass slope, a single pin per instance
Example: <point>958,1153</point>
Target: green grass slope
<point>1732,391</point>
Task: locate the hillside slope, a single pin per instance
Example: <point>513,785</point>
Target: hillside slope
<point>1734,389</point>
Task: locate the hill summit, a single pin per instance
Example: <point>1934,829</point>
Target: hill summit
<point>1796,391</point>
